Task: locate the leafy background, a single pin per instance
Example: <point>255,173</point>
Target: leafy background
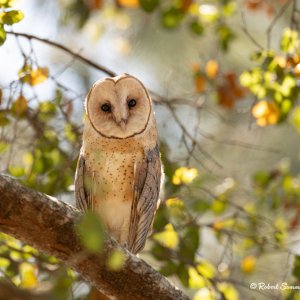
<point>224,78</point>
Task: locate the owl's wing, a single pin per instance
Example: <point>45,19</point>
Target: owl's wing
<point>83,194</point>
<point>147,177</point>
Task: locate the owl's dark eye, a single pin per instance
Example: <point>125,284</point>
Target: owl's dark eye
<point>106,108</point>
<point>131,103</point>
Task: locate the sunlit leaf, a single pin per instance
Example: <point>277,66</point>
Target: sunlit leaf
<point>266,113</point>
<point>206,269</point>
<point>38,75</point>
<point>196,281</point>
<point>204,294</point>
<point>184,175</point>
<point>211,69</point>
<point>28,275</point>
<point>16,171</point>
<point>168,238</point>
<point>91,232</point>
<point>290,40</point>
<point>208,12</point>
<point>228,291</point>
<point>116,260</point>
<point>248,264</point>
<point>218,206</point>
<point>11,17</point>
<point>175,206</point>
<point>20,106</point>
<point>129,3</point>
<point>4,262</point>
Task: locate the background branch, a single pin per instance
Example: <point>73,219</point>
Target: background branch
<point>49,225</point>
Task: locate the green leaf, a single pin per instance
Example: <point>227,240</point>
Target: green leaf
<point>225,35</point>
<point>296,118</point>
<point>116,260</point>
<point>172,17</point>
<point>4,262</point>
<point>2,35</point>
<point>169,268</point>
<point>11,17</point>
<point>183,274</point>
<point>189,243</point>
<point>262,179</point>
<point>4,147</point>
<point>149,5</point>
<point>91,232</point>
<point>296,269</point>
<point>197,28</point>
<point>16,171</point>
<point>289,41</point>
<point>5,3</point>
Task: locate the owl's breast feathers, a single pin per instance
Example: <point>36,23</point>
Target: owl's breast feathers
<point>121,182</point>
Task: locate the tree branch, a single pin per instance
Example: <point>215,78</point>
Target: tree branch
<point>49,225</point>
<point>65,49</point>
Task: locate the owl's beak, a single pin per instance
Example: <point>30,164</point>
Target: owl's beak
<point>122,124</point>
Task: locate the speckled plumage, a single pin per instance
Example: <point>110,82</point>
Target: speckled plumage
<point>119,169</point>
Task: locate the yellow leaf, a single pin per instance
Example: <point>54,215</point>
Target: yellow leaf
<point>206,269</point>
<point>19,106</point>
<point>204,294</point>
<point>38,75</point>
<point>212,69</point>
<point>196,281</point>
<point>168,238</point>
<point>129,3</point>
<point>28,275</point>
<point>228,291</point>
<point>266,113</point>
<point>184,175</point>
<point>248,263</point>
<point>176,206</point>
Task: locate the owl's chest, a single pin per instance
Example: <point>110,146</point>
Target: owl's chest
<point>112,173</point>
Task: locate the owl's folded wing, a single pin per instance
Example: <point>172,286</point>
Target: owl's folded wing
<point>147,177</point>
<point>82,193</point>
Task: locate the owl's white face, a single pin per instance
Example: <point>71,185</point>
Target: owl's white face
<point>118,107</point>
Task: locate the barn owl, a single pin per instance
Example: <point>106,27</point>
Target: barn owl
<point>118,172</point>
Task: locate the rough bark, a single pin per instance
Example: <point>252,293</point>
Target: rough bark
<point>49,225</point>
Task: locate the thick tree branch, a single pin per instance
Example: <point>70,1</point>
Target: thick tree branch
<point>49,225</point>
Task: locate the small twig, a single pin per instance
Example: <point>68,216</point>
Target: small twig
<point>274,21</point>
<point>246,31</point>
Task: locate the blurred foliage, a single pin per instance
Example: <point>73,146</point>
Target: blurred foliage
<point>39,144</point>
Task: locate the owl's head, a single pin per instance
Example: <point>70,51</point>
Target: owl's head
<point>118,107</point>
